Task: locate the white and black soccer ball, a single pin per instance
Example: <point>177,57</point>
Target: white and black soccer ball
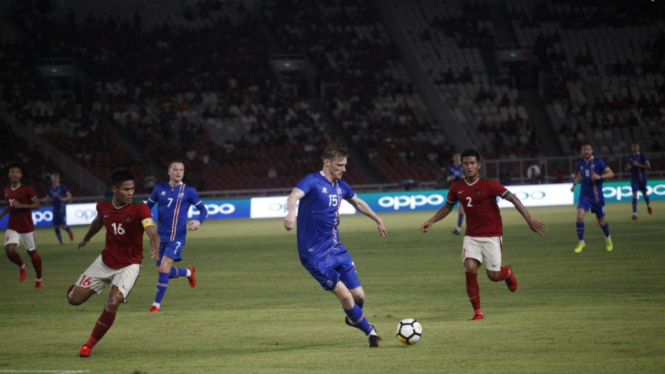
<point>409,331</point>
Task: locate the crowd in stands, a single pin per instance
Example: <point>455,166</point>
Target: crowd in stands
<point>603,63</point>
<point>375,101</point>
<point>447,40</point>
<point>194,83</point>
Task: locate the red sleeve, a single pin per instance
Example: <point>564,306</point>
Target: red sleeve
<point>498,189</point>
<point>452,195</point>
<point>144,212</point>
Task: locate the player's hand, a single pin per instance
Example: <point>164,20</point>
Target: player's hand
<point>382,230</point>
<point>426,226</point>
<point>635,162</point>
<point>595,176</point>
<point>289,221</point>
<point>154,252</point>
<point>537,227</point>
<point>17,205</point>
<point>572,189</point>
<point>83,243</point>
<point>194,225</point>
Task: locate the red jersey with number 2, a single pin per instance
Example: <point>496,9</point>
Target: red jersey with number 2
<point>479,199</point>
<point>20,219</point>
<point>124,232</point>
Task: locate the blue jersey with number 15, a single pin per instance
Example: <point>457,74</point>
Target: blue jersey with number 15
<point>318,213</point>
<point>174,203</point>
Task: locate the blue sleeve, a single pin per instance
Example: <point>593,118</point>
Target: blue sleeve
<point>305,184</point>
<point>450,171</point>
<point>196,201</point>
<point>602,165</point>
<point>644,158</point>
<point>347,192</point>
<point>152,200</point>
<point>64,189</point>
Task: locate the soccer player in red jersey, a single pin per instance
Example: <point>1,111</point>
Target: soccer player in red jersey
<point>20,200</point>
<point>125,219</point>
<point>482,240</point>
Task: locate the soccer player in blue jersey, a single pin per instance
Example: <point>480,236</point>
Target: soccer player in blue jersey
<point>638,164</point>
<point>60,195</point>
<point>174,199</point>
<point>591,172</point>
<point>455,174</point>
<point>319,248</point>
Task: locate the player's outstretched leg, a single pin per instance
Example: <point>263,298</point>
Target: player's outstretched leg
<point>473,291</point>
<point>37,264</point>
<point>104,322</point>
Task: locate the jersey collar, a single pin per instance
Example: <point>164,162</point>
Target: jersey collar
<point>471,184</point>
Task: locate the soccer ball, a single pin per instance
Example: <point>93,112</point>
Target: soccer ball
<point>409,331</point>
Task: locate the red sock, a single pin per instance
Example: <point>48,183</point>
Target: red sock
<point>503,274</point>
<point>15,258</point>
<point>36,262</point>
<point>473,291</point>
<point>103,325</point>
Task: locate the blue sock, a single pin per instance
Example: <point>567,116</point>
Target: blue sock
<point>580,230</point>
<point>606,229</point>
<point>646,198</point>
<point>460,218</point>
<point>178,272</point>
<point>360,304</point>
<point>69,231</point>
<point>162,284</point>
<point>57,233</point>
<point>358,319</point>
<point>635,206</point>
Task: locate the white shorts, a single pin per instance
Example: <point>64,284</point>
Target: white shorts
<point>483,249</point>
<point>28,239</point>
<point>98,275</point>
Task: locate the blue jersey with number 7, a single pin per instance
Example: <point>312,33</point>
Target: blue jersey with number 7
<point>174,203</point>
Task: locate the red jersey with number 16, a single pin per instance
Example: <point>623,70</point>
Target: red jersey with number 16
<point>20,219</point>
<point>480,205</point>
<point>124,232</point>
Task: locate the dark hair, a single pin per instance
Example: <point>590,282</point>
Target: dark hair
<point>176,161</point>
<point>12,166</point>
<point>585,144</point>
<point>334,151</point>
<point>120,176</point>
<point>471,153</point>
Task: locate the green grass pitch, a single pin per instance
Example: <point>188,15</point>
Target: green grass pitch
<point>256,310</point>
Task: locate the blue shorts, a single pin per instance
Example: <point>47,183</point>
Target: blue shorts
<point>638,185</point>
<point>171,249</point>
<point>332,267</point>
<point>59,220</point>
<point>595,207</point>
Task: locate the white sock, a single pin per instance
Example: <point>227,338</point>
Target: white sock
<point>156,304</point>
<point>189,273</point>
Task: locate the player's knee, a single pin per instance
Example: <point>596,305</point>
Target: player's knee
<point>359,299</point>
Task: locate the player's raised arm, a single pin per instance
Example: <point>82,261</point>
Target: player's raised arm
<point>291,201</point>
<point>95,226</point>
<point>535,225</point>
<point>363,208</point>
<point>441,214</point>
